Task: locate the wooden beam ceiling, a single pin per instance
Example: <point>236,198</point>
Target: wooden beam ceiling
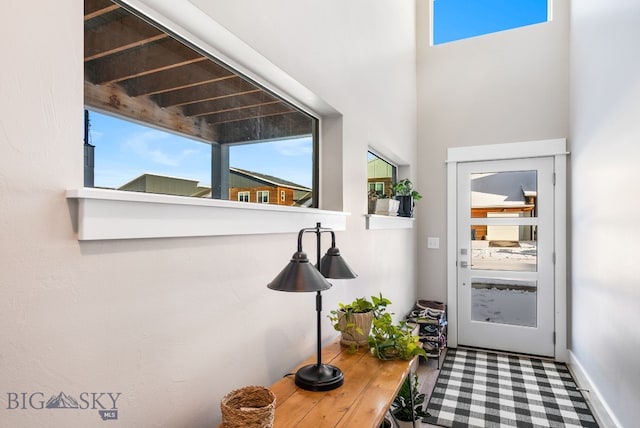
<point>136,70</point>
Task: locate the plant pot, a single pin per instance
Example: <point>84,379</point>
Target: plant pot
<point>358,333</point>
<point>404,424</point>
<point>387,207</point>
<point>386,423</point>
<point>405,208</point>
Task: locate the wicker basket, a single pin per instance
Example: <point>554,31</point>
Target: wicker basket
<point>248,407</point>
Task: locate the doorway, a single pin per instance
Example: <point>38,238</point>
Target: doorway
<point>507,219</point>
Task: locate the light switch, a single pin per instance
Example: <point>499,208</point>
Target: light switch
<point>433,242</point>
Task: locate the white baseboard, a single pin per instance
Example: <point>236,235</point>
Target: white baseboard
<point>597,403</point>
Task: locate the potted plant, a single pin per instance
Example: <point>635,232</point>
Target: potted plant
<point>389,341</point>
<point>386,205</point>
<point>406,195</point>
<point>402,409</point>
<point>353,320</point>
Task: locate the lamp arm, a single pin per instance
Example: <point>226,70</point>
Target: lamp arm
<point>318,230</point>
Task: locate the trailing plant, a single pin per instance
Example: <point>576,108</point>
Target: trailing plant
<point>405,188</point>
<point>389,341</point>
<point>401,406</point>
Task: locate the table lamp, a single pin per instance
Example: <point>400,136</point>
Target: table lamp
<point>301,276</point>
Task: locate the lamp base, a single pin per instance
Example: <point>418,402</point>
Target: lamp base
<point>321,377</point>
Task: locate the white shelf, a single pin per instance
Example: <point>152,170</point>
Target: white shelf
<point>376,222</point>
<point>112,214</point>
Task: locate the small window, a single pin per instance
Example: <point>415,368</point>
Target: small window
<point>461,19</point>
<point>263,196</point>
<point>380,175</point>
<point>283,196</point>
<point>243,196</point>
<point>376,187</point>
<point>164,116</point>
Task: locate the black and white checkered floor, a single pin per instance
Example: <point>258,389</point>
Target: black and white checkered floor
<point>485,389</point>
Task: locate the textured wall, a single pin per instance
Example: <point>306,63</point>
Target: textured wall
<point>174,324</point>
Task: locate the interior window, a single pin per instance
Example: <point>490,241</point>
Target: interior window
<point>381,175</point>
<point>162,116</point>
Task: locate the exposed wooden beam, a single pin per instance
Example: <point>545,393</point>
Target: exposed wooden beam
<point>116,34</point>
<point>206,91</point>
<point>162,55</point>
<point>136,71</point>
<point>112,98</point>
<point>238,111</point>
<point>235,94</point>
<point>125,47</point>
<point>283,125</point>
<point>229,103</point>
<point>95,8</point>
<point>180,77</point>
<point>248,113</point>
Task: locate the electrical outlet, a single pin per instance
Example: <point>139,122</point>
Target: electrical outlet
<point>433,243</point>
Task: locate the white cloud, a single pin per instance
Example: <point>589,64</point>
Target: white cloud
<point>159,147</point>
<point>293,147</point>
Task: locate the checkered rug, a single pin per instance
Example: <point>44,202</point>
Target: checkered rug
<point>485,389</point>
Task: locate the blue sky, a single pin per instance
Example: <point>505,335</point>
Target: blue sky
<point>124,150</point>
<point>459,19</point>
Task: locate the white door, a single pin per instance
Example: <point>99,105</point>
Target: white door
<point>505,255</point>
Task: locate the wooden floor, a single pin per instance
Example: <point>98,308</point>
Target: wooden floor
<point>427,376</point>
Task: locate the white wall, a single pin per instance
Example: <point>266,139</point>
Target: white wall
<point>174,324</point>
<point>503,87</point>
<point>605,154</point>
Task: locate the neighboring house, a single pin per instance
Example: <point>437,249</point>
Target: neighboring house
<point>153,183</point>
<point>249,186</point>
<point>507,194</point>
<point>244,186</point>
<point>380,176</point>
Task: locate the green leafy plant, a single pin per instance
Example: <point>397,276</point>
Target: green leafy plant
<point>405,188</point>
<point>389,341</point>
<point>343,319</point>
<point>401,406</point>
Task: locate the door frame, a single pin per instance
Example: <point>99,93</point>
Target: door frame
<point>555,148</point>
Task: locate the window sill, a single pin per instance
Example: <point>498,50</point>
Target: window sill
<point>112,214</point>
<point>376,222</point>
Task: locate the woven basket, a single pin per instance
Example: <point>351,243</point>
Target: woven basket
<point>248,407</point>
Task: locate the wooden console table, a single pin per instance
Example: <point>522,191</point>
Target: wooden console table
<point>370,385</point>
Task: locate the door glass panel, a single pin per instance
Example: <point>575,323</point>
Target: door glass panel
<point>504,301</point>
<point>515,249</point>
<point>511,192</point>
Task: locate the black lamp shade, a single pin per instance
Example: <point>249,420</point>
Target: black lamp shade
<point>333,266</point>
<point>299,275</point>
